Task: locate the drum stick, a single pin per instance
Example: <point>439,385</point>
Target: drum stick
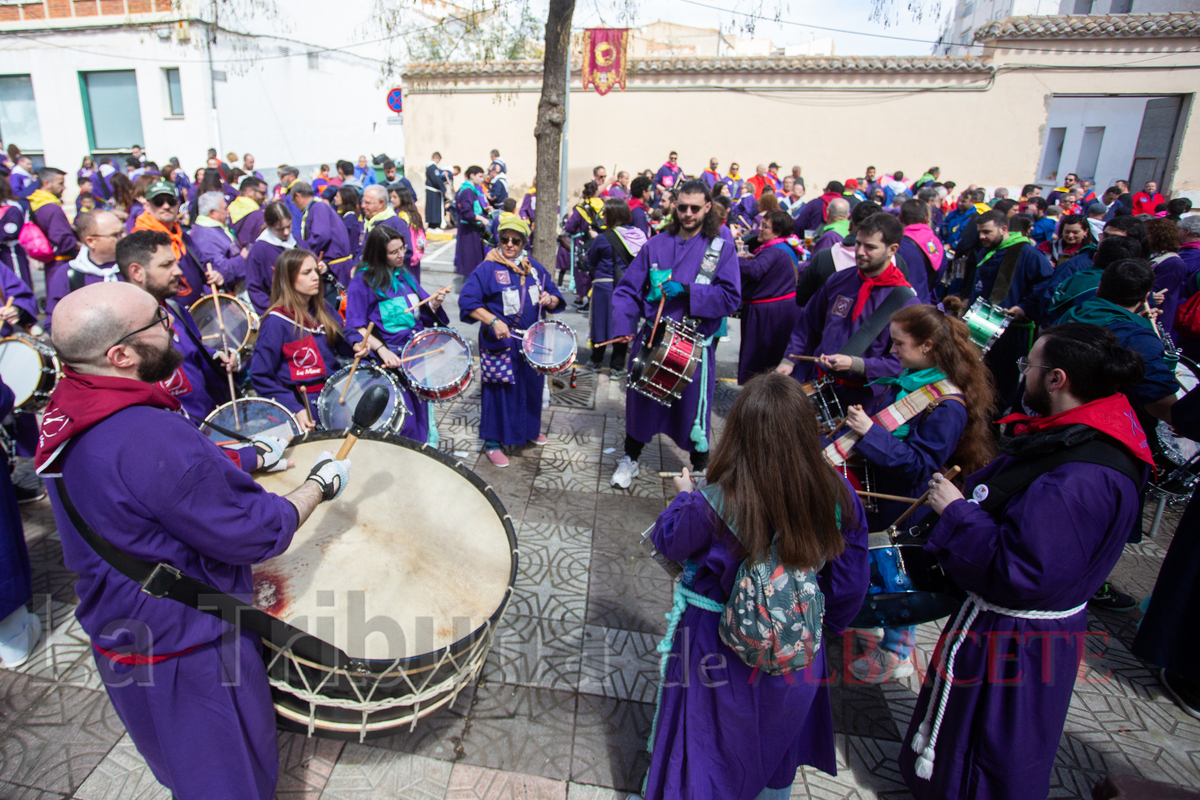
<point>354,367</point>
<point>435,294</point>
<point>923,499</point>
<point>421,355</point>
<point>610,341</point>
<point>237,423</point>
<point>805,358</point>
<point>237,436</point>
<point>879,496</point>
<point>702,473</point>
<point>662,298</point>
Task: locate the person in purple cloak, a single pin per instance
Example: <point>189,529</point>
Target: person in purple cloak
<point>191,690</point>
<point>1045,525</point>
<point>725,729</point>
<point>98,232</point>
<point>47,213</point>
<point>691,272</point>
<point>768,291</point>
<point>276,237</point>
<point>471,203</point>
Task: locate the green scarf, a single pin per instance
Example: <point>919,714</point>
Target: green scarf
<point>1098,311</point>
<point>1014,238</point>
<point>909,382</point>
<point>208,222</point>
<point>842,226</point>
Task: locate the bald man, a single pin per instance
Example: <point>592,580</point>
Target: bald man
<point>191,690</point>
<point>98,233</point>
<point>379,211</point>
<point>836,227</point>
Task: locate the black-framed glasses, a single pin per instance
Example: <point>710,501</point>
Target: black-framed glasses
<point>161,317</point>
<point>688,208</point>
<point>511,240</point>
<point>164,200</point>
<point>1023,365</point>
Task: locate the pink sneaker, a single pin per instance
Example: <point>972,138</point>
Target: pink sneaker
<point>497,458</point>
<point>540,440</point>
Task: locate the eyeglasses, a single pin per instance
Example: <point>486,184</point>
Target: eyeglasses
<point>161,317</point>
<point>1023,365</point>
<point>511,240</point>
<point>686,208</point>
<point>120,234</point>
<point>164,200</point>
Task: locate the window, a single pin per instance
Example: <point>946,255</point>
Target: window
<point>111,110</point>
<point>1121,7</point>
<point>314,60</point>
<point>18,113</point>
<point>1089,153</point>
<point>1054,148</point>
<point>1082,7</point>
<point>174,91</point>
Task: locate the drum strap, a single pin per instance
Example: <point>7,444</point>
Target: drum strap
<point>708,270</point>
<point>165,581</point>
<point>1004,276</point>
<point>898,413</point>
<point>873,325</point>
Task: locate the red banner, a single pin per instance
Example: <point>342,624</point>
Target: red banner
<point>604,59</point>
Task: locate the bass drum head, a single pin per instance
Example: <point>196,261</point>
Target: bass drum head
<point>337,416</point>
<point>256,415</point>
<point>1174,448</point>
<point>21,367</point>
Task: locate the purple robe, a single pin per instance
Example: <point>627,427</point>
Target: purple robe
<point>12,255</point>
<point>825,326</point>
<point>217,246</point>
<point>21,183</point>
<point>640,220</point>
<point>1171,273</point>
<point>602,262</point>
<point>260,272</point>
<point>510,414</point>
<point>469,249</point>
<point>22,299</point>
<point>577,227</point>
<point>827,240</point>
<point>769,313</point>
<point>249,228</point>
<point>363,307</point>
<point>354,234</point>
<point>196,383</point>
<point>135,211</point>
<point>51,218</point>
<point>811,216</point>
<point>725,731</point>
<point>1055,546</point>
<point>528,206</point>
<point>59,285</point>
<point>398,224</point>
<point>99,186</point>
<point>668,177</point>
<point>16,587</point>
<point>917,268</point>
<point>326,236</point>
<point>710,304</point>
<point>155,487</point>
<point>281,376</point>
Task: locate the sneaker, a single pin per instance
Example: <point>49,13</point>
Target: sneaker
<point>30,495</point>
<point>881,666</point>
<point>497,458</point>
<point>17,651</point>
<point>1109,599</point>
<point>540,440</point>
<point>616,375</point>
<point>627,470</point>
<point>1185,693</point>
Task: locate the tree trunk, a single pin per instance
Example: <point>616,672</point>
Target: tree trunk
<point>548,132</point>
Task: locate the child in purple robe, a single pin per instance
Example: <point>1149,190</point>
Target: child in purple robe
<point>608,256</point>
<point>384,291</point>
<point>726,730</point>
<point>260,263</point>
<point>300,339</point>
<point>508,292</point>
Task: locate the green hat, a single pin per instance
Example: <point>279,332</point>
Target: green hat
<point>514,223</point>
<point>160,187</point>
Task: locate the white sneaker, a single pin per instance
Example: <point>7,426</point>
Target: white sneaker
<point>881,666</point>
<point>627,470</point>
<point>17,650</point>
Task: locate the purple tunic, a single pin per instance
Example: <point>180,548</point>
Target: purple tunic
<point>326,234</point>
<point>218,247</point>
<point>260,272</point>
<point>724,731</point>
<point>668,177</point>
<point>135,211</point>
<point>577,227</point>
<point>917,268</point>
<point>510,413</point>
<point>354,234</point>
<point>528,206</point>
<point>640,220</point>
<point>468,247</point>
<point>603,265</point>
<point>12,255</point>
<point>59,285</point>
<point>1171,273</point>
<point>827,240</point>
<point>811,216</point>
<point>196,383</point>
<point>768,312</point>
<point>249,228</point>
<point>363,307</point>
<point>825,326</point>
<point>280,370</point>
<point>23,300</point>
<point>16,587</point>
<point>396,223</point>
<point>1054,547</point>
<point>51,218</point>
<point>708,303</point>
<point>156,488</point>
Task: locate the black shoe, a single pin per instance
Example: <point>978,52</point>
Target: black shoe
<point>30,495</point>
<point>1109,599</point>
<point>1185,693</point>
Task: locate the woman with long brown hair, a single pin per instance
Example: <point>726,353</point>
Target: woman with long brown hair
<point>723,728</point>
<point>941,365</point>
<point>300,339</point>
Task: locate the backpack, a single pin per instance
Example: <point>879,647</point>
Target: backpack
<point>1187,318</point>
<point>35,243</point>
<point>774,617</point>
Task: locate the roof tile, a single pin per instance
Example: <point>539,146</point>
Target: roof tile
<point>1094,26</point>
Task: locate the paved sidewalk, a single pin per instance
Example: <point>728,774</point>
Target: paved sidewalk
<point>564,703</point>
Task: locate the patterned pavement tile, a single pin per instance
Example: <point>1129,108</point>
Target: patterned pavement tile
<point>511,483</point>
<point>866,769</point>
<point>11,791</point>
<point>49,575</point>
<point>647,484</point>
<point>560,453</point>
<point>559,507</point>
<point>520,729</point>
<point>630,513</point>
<point>305,765</point>
<point>553,572</point>
<point>64,655</point>
<point>477,783</point>
<point>371,773</point>
<point>621,552</point>
<point>18,694</point>
<point>859,709</point>
<point>438,735</point>
<point>61,739</point>
<point>583,430</point>
<point>574,476</point>
<point>528,651</point>
<point>122,775</point>
<point>619,664</point>
<point>578,791</point>
<point>622,601</point>
<point>610,743</point>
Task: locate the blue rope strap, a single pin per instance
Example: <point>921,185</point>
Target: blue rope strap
<point>699,427</point>
<point>434,438</point>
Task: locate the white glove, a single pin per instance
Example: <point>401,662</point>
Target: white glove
<point>270,452</point>
<point>332,476</point>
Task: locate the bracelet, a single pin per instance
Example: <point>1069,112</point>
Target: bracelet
<point>492,324</point>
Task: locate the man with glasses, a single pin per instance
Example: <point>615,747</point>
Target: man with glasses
<point>215,246</point>
<point>1045,524</point>
<point>669,175</point>
<point>98,232</point>
<point>161,215</point>
<point>691,272</point>
<point>191,690</point>
<point>198,381</point>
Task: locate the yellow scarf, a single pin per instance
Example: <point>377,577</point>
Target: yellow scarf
<point>240,207</point>
<point>41,197</point>
<point>387,213</point>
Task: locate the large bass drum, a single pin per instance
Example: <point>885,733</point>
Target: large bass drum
<point>409,573</point>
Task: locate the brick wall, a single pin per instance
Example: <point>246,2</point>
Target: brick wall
<point>86,8</point>
<point>60,9</point>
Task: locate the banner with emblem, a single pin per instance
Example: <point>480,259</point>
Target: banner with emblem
<point>604,59</point>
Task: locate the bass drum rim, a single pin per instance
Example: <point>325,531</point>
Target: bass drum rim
<point>449,391</point>
<point>39,398</point>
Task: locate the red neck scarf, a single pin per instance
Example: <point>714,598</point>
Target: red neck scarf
<point>826,199</point>
<point>891,276</point>
<point>80,401</point>
<point>635,203</point>
<point>1110,415</point>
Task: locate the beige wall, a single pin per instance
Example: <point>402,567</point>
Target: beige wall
<point>977,127</point>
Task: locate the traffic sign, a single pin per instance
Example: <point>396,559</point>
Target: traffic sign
<point>395,100</point>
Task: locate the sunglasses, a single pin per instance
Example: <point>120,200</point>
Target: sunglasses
<point>164,200</point>
<point>685,208</point>
<point>511,240</point>
<point>160,318</point>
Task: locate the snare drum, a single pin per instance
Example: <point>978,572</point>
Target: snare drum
<point>825,400</point>
<point>986,323</point>
<point>440,365</point>
<point>908,587</point>
<point>663,368</point>
<point>409,571</point>
<point>1175,450</point>
<point>30,368</point>
<point>241,323</point>
<point>549,346</point>
<point>338,416</point>
<point>256,415</point>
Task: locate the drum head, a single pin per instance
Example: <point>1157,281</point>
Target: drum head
<point>21,367</point>
<point>337,416</point>
<point>432,370</point>
<point>1176,449</point>
<point>550,344</point>
<point>233,313</point>
<point>412,558</point>
<point>256,415</point>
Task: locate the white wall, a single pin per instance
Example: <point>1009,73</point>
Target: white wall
<point>1121,118</point>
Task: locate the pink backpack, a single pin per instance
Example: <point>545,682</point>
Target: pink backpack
<point>35,243</point>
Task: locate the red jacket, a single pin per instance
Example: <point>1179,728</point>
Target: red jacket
<point>1145,204</point>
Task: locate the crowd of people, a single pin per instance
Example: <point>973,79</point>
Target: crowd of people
<point>894,334</point>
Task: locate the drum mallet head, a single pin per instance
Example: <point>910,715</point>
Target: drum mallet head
<point>368,411</point>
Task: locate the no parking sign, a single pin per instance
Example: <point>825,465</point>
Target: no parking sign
<point>395,100</point>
